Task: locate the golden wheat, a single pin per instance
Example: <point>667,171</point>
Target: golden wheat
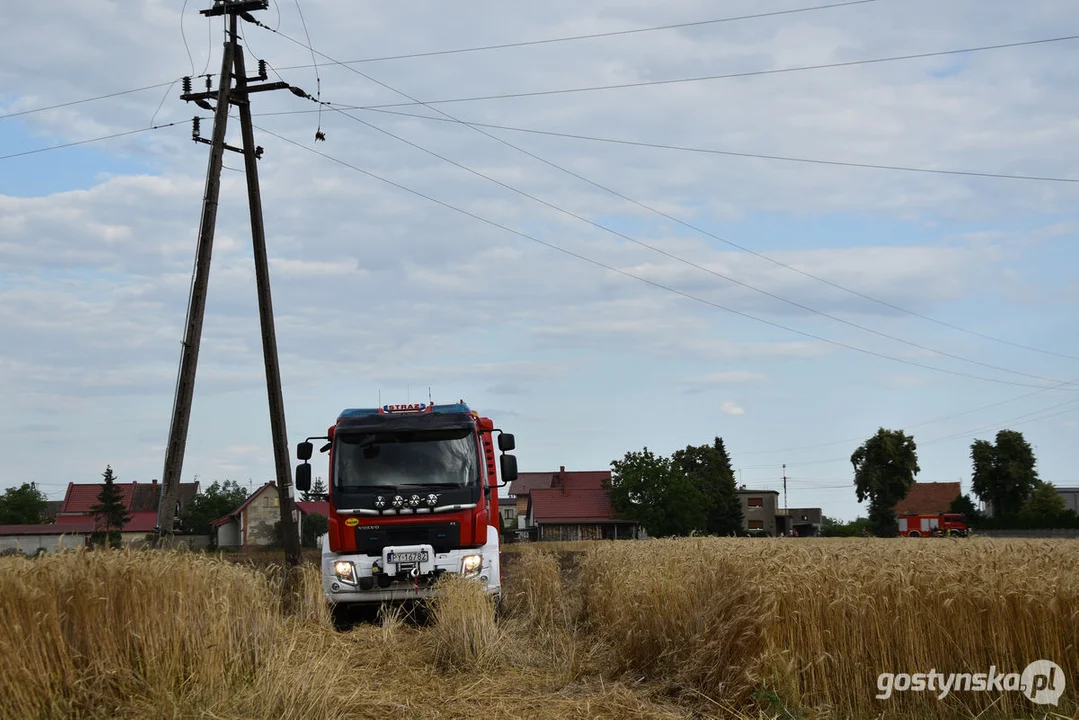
<point>698,627</point>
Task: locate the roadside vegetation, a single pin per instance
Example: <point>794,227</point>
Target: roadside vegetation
<point>675,628</point>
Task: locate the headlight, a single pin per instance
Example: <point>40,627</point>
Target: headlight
<point>471,564</point>
<point>345,572</point>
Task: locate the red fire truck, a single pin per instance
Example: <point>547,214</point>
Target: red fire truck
<point>413,494</point>
<point>933,525</point>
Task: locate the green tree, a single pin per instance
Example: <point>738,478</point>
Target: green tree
<point>317,493</point>
<point>884,470</point>
<point>216,501</point>
<point>24,505</point>
<point>1004,473</point>
<point>110,514</point>
<point>315,526</point>
<point>963,504</point>
<point>648,489</point>
<point>708,468</point>
<point>1044,502</point>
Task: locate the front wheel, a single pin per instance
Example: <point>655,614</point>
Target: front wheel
<point>341,617</point>
<point>914,533</point>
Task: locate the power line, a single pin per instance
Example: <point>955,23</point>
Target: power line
<point>698,266</point>
<point>1019,420</point>
<point>592,36</point>
<point>690,226</point>
<point>726,76</point>
<point>639,278</point>
<point>92,140</point>
<point>631,239</point>
<point>714,151</point>
<point>86,100</point>
<point>913,425</point>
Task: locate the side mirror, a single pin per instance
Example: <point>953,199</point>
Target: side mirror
<point>506,442</point>
<point>303,477</point>
<point>304,450</point>
<point>508,466</point>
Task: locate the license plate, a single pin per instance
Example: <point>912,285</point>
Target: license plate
<point>411,556</point>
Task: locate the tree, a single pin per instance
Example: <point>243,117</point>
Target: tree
<point>24,505</point>
<point>708,469</point>
<point>1044,502</point>
<point>884,470</point>
<point>217,501</point>
<point>963,504</point>
<point>317,493</point>
<point>648,489</point>
<point>110,514</point>
<point>315,526</point>
<point>1004,474</point>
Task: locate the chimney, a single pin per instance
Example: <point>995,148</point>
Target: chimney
<point>562,478</point>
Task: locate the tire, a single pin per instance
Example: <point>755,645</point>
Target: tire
<point>342,618</point>
<point>914,533</point>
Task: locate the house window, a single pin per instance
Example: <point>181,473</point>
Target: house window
<point>756,502</point>
<point>756,524</point>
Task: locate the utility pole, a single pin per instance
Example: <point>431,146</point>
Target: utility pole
<point>232,64</point>
<point>196,304</point>
<point>786,513</point>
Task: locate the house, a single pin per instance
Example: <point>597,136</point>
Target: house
<point>805,521</point>
<point>1070,496</point>
<point>520,493</point>
<point>74,521</point>
<point>924,498</point>
<point>760,510</point>
<point>574,505</point>
<point>252,525</point>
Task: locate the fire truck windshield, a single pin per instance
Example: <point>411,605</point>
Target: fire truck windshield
<point>446,457</point>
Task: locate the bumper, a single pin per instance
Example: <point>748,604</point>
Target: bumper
<point>407,581</point>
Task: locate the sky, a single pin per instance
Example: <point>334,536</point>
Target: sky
<point>592,297</point>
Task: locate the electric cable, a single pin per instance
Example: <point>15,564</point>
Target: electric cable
<point>593,36</point>
<point>627,237</point>
<point>653,283</point>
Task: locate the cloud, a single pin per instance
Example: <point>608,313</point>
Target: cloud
<point>731,408</point>
<point>377,289</point>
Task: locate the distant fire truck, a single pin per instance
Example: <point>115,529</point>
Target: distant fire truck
<point>933,525</point>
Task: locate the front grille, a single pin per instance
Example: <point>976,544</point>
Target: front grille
<point>443,537</point>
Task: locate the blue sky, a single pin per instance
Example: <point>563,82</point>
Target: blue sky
<point>378,291</point>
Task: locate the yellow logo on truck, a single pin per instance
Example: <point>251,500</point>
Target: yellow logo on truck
<point>352,522</point>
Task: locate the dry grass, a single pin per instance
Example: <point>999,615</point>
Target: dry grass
<point>652,629</point>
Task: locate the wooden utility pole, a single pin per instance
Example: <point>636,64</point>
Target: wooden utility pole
<point>232,64</point>
<point>196,303</point>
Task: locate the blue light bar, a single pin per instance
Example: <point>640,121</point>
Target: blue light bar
<point>407,409</point>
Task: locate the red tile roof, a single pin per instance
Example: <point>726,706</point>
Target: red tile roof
<point>140,522</point>
<point>572,506</point>
<point>320,506</point>
<point>84,526</point>
<point>585,479</point>
<point>526,482</point>
<point>80,498</point>
<point>137,497</point>
<point>572,479</point>
<point>928,498</point>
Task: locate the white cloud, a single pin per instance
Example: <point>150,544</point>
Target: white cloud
<point>376,289</point>
<point>730,407</point>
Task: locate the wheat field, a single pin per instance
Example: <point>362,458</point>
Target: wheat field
<point>686,628</point>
